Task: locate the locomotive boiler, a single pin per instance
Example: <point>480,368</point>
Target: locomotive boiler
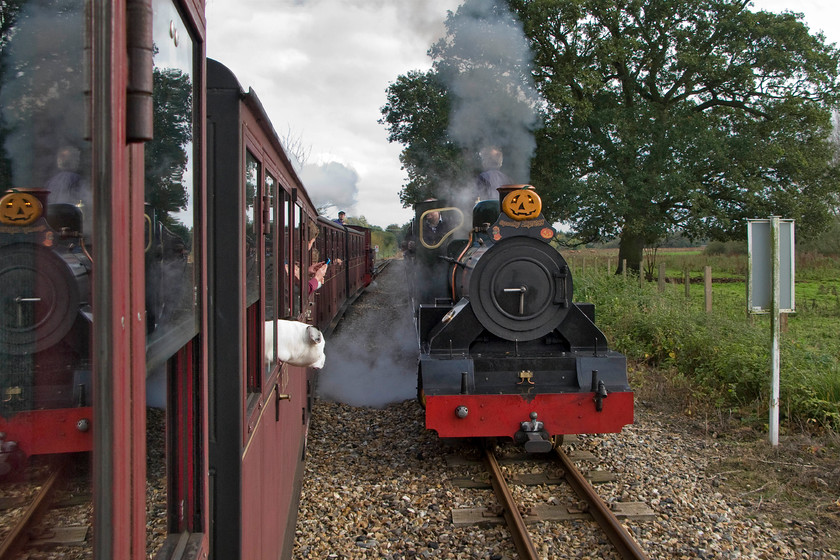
<point>505,351</point>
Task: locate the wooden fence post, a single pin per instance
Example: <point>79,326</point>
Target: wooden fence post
<point>707,280</point>
<point>624,268</point>
<point>687,284</point>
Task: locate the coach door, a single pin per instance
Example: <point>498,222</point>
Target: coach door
<point>174,264</point>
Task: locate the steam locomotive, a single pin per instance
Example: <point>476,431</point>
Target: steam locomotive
<point>504,351</point>
<point>44,327</point>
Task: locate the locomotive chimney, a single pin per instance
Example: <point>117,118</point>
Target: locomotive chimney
<point>504,190</point>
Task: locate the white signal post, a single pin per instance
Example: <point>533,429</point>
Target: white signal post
<point>770,288</point>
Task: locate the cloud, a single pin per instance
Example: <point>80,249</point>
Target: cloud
<point>321,68</point>
<point>330,184</point>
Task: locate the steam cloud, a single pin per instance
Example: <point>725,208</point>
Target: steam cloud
<point>496,102</point>
<point>371,358</point>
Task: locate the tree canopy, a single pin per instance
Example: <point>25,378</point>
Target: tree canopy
<point>656,116</point>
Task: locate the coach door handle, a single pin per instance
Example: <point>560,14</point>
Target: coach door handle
<point>280,397</point>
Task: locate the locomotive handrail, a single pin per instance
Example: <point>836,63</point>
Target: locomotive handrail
<point>445,236</point>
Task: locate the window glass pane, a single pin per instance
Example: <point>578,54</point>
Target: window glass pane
<point>285,244</point>
<point>45,189</point>
<point>299,268</point>
<point>252,183</point>
<point>270,276</point>
<point>171,192</point>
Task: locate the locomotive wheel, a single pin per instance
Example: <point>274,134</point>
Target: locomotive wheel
<point>39,298</point>
<point>556,441</point>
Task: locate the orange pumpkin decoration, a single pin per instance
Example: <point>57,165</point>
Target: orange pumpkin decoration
<point>522,204</point>
<point>20,209</point>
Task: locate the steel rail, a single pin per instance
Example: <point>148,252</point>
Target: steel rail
<point>16,539</point>
<point>521,538</point>
<point>627,547</point>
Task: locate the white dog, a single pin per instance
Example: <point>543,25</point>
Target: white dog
<point>298,344</point>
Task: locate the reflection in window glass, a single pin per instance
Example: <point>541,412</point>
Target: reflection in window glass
<point>299,270</point>
<point>270,276</point>
<point>285,244</point>
<point>45,297</point>
<point>171,267</point>
<point>252,182</point>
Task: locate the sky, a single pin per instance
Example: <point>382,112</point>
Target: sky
<point>321,69</point>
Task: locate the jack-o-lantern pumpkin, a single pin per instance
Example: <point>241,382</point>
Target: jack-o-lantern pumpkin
<point>20,209</point>
<point>522,204</point>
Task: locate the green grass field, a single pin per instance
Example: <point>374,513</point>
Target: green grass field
<point>725,354</point>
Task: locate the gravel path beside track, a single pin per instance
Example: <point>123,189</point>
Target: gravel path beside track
<point>377,485</point>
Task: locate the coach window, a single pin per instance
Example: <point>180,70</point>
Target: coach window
<point>285,242</point>
<point>173,260</point>
<point>252,276</point>
<point>270,262</point>
<point>46,320</point>
<point>171,194</point>
<point>299,270</point>
<point>315,244</point>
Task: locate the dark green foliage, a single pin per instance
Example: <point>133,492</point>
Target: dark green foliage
<point>825,243</point>
<point>167,154</point>
<point>417,116</point>
<point>690,115</point>
<point>696,114</point>
<point>726,248</point>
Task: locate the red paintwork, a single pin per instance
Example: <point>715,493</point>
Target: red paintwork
<point>119,337</point>
<point>49,431</point>
<point>272,469</point>
<point>501,415</point>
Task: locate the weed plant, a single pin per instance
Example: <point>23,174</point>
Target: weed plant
<point>724,355</point>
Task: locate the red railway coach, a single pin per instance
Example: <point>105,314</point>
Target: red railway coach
<point>259,408</point>
<point>153,231</point>
<point>348,250</point>
<point>105,279</point>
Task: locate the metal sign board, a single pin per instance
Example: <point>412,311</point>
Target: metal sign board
<point>765,247</point>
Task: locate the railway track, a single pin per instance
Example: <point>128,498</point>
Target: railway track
<point>32,509</point>
<point>518,516</point>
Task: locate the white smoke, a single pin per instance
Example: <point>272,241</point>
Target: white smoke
<point>372,356</point>
<point>496,102</point>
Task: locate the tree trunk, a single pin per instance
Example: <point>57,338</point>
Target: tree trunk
<point>630,248</point>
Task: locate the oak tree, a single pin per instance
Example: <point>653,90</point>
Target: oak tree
<point>689,115</point>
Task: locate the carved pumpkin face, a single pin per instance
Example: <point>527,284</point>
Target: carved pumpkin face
<point>522,204</point>
<point>20,209</point>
